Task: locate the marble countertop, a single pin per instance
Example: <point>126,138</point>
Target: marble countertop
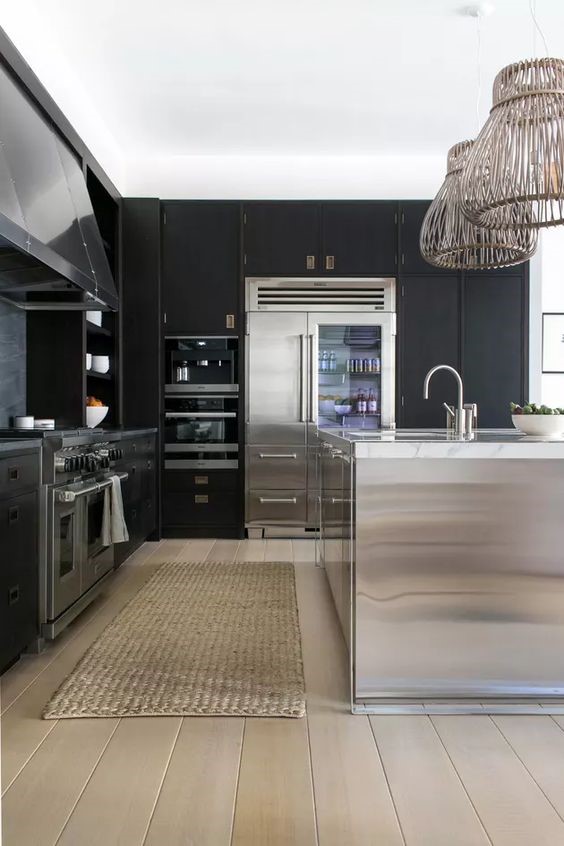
<point>8,445</point>
<point>441,443</point>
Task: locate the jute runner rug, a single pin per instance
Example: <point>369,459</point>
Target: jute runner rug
<point>197,639</point>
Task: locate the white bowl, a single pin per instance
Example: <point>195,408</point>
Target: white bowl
<point>343,409</point>
<point>100,363</point>
<point>95,414</point>
<point>540,425</point>
<point>94,317</point>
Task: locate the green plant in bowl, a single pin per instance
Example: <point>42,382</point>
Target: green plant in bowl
<point>538,420</point>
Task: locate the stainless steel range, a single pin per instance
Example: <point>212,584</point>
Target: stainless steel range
<point>77,466</point>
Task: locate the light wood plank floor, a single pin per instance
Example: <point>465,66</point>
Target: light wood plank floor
<point>331,779</point>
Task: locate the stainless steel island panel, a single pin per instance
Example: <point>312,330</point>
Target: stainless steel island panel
<point>459,582</point>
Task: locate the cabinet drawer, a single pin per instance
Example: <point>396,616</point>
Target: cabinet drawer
<point>18,576</point>
<point>185,481</point>
<point>274,467</point>
<point>18,533</point>
<point>19,473</point>
<point>282,507</point>
<point>203,509</point>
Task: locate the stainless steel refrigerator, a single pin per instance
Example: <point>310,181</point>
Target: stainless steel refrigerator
<point>319,353</point>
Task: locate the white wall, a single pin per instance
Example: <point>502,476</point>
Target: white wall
<point>285,177</point>
<point>551,261</point>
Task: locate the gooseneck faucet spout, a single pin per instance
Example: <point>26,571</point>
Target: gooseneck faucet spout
<point>459,421</point>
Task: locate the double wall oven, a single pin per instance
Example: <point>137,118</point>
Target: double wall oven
<point>201,418</point>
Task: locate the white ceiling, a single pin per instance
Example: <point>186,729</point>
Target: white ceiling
<point>149,81</point>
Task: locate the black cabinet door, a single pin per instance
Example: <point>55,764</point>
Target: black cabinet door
<point>359,239</point>
<point>495,318</point>
<point>412,213</point>
<point>200,266</point>
<point>281,239</point>
<point>429,335</point>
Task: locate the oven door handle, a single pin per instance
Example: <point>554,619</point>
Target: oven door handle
<point>72,496</point>
<point>173,414</point>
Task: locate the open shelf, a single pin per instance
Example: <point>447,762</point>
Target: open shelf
<point>92,329</point>
<point>92,374</point>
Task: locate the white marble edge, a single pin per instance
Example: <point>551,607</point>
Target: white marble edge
<point>486,443</point>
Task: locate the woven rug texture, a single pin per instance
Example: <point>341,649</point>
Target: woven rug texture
<point>213,638</point>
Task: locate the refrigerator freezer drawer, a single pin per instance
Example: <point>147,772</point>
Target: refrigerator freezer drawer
<point>276,507</point>
<point>276,467</point>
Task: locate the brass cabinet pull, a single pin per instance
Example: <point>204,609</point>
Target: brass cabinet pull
<point>230,321</point>
<point>329,262</point>
<point>13,514</point>
<point>310,262</point>
<point>201,499</point>
<point>201,480</point>
<point>14,474</point>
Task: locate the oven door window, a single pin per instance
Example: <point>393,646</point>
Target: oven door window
<point>95,517</point>
<point>66,544</point>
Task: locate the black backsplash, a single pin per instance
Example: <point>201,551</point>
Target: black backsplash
<point>12,363</point>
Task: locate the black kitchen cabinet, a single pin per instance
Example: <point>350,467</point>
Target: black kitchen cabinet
<point>281,239</point>
<point>19,554</point>
<point>202,503</point>
<point>412,213</point>
<point>429,334</point>
<point>359,238</point>
<point>200,266</point>
<point>495,344</point>
<point>139,493</point>
<point>320,239</point>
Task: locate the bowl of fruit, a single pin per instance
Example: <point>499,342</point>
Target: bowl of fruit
<point>540,421</point>
<point>95,411</point>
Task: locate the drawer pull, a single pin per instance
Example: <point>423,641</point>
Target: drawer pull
<point>277,455</point>
<point>201,499</point>
<point>14,474</point>
<point>201,480</point>
<point>292,499</point>
<point>13,594</point>
<point>335,500</point>
<point>13,514</point>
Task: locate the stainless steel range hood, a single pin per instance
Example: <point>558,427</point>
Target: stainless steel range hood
<point>51,251</point>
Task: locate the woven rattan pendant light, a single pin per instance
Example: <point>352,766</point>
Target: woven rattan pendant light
<point>514,174</point>
<point>449,240</point>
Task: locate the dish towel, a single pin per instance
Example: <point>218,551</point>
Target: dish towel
<point>114,529</point>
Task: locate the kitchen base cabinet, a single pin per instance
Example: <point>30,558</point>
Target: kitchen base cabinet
<point>202,504</point>
<point>19,558</point>
<point>139,493</point>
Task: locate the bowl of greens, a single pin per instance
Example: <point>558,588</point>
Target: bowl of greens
<point>538,420</point>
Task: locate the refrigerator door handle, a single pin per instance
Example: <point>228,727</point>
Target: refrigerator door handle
<point>303,378</point>
<point>312,380</point>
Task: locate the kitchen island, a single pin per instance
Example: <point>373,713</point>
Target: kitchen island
<point>445,557</point>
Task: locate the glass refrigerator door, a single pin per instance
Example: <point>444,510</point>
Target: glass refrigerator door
<point>352,371</point>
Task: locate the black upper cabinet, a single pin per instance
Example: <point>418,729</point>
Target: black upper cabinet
<point>429,335</point>
<point>200,266</point>
<point>281,239</point>
<point>412,213</point>
<point>359,239</point>
<point>495,321</point>
<point>320,239</point>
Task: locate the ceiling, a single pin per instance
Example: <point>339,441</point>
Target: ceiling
<point>144,80</point>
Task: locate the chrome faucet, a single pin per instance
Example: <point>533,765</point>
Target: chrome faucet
<point>463,416</point>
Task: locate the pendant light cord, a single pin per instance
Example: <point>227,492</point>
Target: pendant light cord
<point>537,28</point>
